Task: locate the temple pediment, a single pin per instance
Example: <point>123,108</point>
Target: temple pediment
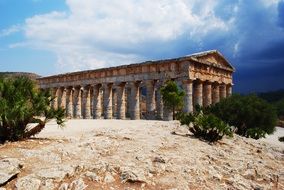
<point>212,57</point>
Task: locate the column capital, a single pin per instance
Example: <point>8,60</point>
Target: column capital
<point>150,82</point>
<point>105,85</point>
<point>86,87</point>
<point>121,84</point>
<point>98,85</point>
<point>187,81</point>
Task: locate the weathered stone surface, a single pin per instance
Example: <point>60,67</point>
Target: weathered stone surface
<point>78,184</point>
<point>132,175</point>
<point>28,182</point>
<point>56,173</point>
<point>159,159</point>
<point>93,176</point>
<point>108,178</point>
<point>47,185</point>
<point>64,186</point>
<point>9,168</point>
<point>44,155</point>
<point>145,152</point>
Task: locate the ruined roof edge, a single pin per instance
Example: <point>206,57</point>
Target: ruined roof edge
<point>186,57</point>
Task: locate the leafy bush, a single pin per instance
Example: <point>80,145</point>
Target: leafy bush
<point>22,103</point>
<point>280,109</point>
<point>207,127</point>
<point>252,116</point>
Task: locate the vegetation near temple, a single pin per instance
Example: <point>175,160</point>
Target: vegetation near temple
<point>252,116</point>
<point>207,127</point>
<point>276,98</point>
<point>172,97</point>
<point>21,103</point>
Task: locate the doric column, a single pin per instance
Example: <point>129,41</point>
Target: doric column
<point>97,108</point>
<point>159,101</point>
<point>187,86</point>
<point>91,101</point>
<point>128,101</point>
<point>62,98</point>
<point>121,101</point>
<point>229,90</point>
<point>135,104</point>
<point>198,93</point>
<point>86,102</point>
<point>114,102</point>
<point>78,111</point>
<point>207,94</point>
<point>215,93</point>
<point>55,98</point>
<point>69,102</point>
<point>108,101</point>
<point>150,100</point>
<point>223,91</point>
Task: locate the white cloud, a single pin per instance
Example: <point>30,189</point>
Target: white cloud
<point>11,30</point>
<point>95,33</point>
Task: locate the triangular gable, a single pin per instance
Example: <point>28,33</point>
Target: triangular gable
<point>213,57</point>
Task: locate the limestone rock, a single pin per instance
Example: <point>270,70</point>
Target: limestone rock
<point>56,173</point>
<point>9,168</point>
<point>159,160</point>
<point>28,182</point>
<point>93,176</point>
<point>47,185</point>
<point>132,175</point>
<point>250,174</point>
<point>64,186</point>
<point>108,178</point>
<point>78,184</point>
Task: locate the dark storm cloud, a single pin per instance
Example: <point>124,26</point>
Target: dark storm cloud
<point>259,60</point>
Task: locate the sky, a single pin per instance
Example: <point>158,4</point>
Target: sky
<point>56,36</point>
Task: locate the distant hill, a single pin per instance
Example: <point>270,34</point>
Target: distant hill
<point>32,76</point>
<point>273,96</point>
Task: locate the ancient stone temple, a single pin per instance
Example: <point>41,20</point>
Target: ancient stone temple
<point>132,91</point>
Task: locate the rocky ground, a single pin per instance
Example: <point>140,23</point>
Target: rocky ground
<point>112,154</point>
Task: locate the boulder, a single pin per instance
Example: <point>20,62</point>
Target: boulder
<point>78,184</point>
<point>108,178</point>
<point>56,173</point>
<point>9,168</point>
<point>47,185</point>
<point>132,175</point>
<point>28,182</point>
<point>92,176</point>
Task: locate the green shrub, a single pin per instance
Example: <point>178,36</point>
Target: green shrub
<point>207,127</point>
<point>22,103</point>
<point>185,118</point>
<point>280,108</point>
<point>255,133</point>
<point>252,116</point>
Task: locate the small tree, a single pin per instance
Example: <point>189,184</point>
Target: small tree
<point>22,103</point>
<point>172,97</point>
